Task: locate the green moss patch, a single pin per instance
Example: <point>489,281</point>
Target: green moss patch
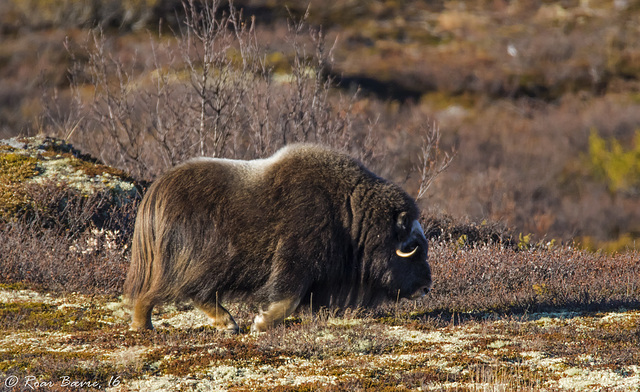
<point>16,167</point>
<point>40,316</point>
<point>14,170</point>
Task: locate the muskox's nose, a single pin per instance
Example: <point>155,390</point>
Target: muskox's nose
<point>427,288</point>
<point>421,292</point>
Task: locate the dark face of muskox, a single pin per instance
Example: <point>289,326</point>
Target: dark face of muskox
<point>407,273</point>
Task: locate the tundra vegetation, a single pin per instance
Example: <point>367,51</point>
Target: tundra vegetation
<point>533,227</point>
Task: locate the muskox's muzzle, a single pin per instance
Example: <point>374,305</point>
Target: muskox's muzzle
<point>421,292</point>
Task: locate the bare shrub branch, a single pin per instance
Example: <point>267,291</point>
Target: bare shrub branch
<point>209,90</point>
<point>432,160</point>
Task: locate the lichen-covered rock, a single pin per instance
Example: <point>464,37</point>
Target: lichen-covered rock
<point>29,163</point>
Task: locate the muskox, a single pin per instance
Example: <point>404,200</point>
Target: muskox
<point>306,226</point>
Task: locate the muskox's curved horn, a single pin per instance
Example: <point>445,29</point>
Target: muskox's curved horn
<point>406,254</point>
<point>416,231</point>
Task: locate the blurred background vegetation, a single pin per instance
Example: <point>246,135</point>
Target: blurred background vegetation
<point>539,99</point>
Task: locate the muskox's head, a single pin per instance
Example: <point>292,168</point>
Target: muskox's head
<point>409,274</point>
<point>399,252</point>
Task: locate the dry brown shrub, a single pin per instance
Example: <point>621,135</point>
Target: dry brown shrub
<point>493,278</point>
<point>208,90</point>
<point>68,242</point>
<point>49,262</point>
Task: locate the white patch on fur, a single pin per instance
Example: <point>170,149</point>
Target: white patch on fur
<point>256,167</point>
<point>259,319</point>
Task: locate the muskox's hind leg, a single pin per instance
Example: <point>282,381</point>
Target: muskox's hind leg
<point>275,314</point>
<point>141,318</point>
<point>221,318</point>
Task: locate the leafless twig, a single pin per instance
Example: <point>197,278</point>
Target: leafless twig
<point>433,160</point>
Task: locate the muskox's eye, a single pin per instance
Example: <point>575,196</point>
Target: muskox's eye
<point>402,222</point>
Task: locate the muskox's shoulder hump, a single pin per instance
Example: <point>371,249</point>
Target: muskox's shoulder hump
<point>308,150</point>
<point>309,155</point>
<point>223,169</point>
<point>295,165</point>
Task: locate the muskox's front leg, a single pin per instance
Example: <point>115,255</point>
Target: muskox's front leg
<point>220,317</point>
<point>275,314</point>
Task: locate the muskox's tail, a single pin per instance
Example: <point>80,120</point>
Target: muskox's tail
<point>139,277</point>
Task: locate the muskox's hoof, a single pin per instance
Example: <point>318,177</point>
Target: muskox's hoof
<point>259,325</point>
<point>140,327</point>
<point>231,329</point>
<point>255,330</point>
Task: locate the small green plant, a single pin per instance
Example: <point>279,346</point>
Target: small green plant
<point>524,241</point>
<point>541,290</point>
<point>618,166</point>
<point>462,241</point>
